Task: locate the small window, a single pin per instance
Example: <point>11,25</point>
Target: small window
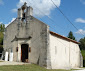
<point>29,49</point>
<point>55,50</point>
<point>16,49</point>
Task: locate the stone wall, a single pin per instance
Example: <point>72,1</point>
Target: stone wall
<point>9,35</point>
<point>18,33</point>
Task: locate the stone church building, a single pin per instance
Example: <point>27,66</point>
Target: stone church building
<point>31,41</point>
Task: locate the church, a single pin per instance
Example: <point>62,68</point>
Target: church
<point>30,40</point>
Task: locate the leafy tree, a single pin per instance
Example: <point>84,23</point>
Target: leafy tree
<point>2,27</point>
<point>82,47</point>
<point>1,38</point>
<point>71,36</point>
<point>83,54</point>
<point>82,43</point>
<point>1,42</point>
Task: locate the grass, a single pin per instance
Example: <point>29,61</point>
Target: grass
<point>29,67</point>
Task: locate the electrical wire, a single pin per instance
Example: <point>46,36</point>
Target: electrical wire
<point>65,16</point>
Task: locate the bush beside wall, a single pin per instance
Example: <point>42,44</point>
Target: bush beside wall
<point>83,54</point>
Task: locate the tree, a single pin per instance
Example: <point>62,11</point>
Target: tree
<point>82,47</point>
<point>1,38</point>
<point>71,36</point>
<point>82,43</point>
<point>2,27</point>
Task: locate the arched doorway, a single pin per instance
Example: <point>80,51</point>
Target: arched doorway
<point>24,52</point>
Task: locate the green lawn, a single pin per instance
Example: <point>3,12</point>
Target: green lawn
<point>30,67</point>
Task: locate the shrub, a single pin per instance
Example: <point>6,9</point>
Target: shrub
<point>83,54</point>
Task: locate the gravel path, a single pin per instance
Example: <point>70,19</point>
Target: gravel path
<point>80,70</point>
<point>11,63</point>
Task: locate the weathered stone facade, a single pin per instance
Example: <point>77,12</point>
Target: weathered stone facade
<point>27,31</point>
<point>45,49</point>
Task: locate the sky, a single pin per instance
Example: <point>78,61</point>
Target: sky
<point>46,11</point>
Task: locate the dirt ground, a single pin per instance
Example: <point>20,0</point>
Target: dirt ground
<point>11,63</point>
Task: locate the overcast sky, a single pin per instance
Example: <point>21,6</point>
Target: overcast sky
<point>73,9</point>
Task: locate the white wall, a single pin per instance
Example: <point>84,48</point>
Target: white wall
<point>74,55</point>
<point>64,54</point>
